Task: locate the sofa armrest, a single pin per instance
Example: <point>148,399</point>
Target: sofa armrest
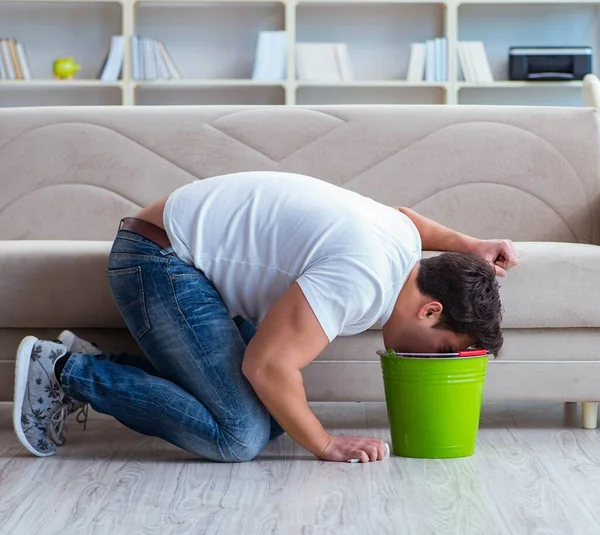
<point>55,284</point>
<point>591,91</point>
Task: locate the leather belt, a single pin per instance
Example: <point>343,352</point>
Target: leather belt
<point>146,230</point>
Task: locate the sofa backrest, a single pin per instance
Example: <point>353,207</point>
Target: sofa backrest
<point>525,173</point>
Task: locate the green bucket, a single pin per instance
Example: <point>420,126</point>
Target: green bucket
<point>433,404</point>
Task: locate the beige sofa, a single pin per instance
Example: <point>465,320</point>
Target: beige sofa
<point>68,175</point>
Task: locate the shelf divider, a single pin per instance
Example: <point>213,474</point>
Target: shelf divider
<point>290,28</point>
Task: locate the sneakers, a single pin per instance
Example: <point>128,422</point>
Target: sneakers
<point>39,399</point>
<point>40,404</point>
<point>74,344</point>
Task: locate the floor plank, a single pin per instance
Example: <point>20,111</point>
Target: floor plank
<point>535,472</point>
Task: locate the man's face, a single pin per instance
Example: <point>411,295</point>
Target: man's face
<point>415,337</point>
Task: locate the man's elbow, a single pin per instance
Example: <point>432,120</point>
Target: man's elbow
<point>258,372</point>
<point>250,369</point>
<point>264,374</point>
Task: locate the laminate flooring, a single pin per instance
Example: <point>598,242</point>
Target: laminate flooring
<point>535,472</point>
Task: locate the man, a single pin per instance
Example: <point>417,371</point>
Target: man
<point>300,259</point>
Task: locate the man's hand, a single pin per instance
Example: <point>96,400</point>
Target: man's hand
<point>343,449</point>
<point>501,253</point>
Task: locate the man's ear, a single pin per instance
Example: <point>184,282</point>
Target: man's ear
<point>431,312</point>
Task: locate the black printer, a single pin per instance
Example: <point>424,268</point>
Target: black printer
<point>549,63</point>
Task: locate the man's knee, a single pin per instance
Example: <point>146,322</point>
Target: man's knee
<point>244,443</point>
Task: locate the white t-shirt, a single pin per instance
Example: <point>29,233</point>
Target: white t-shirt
<point>254,234</point>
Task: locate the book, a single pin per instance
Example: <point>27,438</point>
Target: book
<point>440,61</point>
<point>24,61</point>
<point>271,56</point>
<point>102,67</point>
<point>161,64</point>
<point>444,59</point>
<point>416,63</point>
<point>279,55</point>
<point>173,71</point>
<point>7,59</point>
<point>261,59</point>
<point>3,73</point>
<point>463,56</point>
<point>114,62</point>
<point>344,63</point>
<point>479,58</point>
<point>15,59</point>
<point>430,61</point>
<point>148,59</point>
<point>317,62</point>
<point>136,58</point>
<point>437,61</point>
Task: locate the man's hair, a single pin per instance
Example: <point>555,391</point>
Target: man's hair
<point>467,288</point>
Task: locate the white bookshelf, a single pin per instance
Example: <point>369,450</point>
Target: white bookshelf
<point>213,44</point>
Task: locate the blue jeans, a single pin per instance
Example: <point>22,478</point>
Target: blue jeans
<point>190,389</point>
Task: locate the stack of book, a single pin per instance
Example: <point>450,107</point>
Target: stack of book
<point>271,56</point>
<point>13,61</point>
<point>151,60</point>
<point>428,61</point>
<point>323,62</point>
<point>474,62</point>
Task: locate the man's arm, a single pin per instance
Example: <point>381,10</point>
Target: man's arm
<point>436,237</point>
<point>288,339</point>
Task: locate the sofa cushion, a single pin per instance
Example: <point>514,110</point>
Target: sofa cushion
<point>55,284</point>
<point>64,283</point>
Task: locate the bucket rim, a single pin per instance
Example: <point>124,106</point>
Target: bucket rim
<point>427,356</point>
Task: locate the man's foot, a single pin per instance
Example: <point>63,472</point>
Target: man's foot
<point>74,344</point>
<point>39,402</point>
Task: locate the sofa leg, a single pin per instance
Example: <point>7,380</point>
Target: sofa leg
<point>590,414</point>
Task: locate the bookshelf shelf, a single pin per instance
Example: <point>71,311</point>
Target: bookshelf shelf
<point>515,85</point>
<point>375,84</point>
<point>213,44</point>
<point>189,83</point>
<point>159,95</point>
<point>523,2</point>
<point>62,1</point>
<point>179,3</point>
<point>370,2</point>
<point>57,84</point>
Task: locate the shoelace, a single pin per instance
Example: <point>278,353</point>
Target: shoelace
<point>83,414</point>
<point>58,422</point>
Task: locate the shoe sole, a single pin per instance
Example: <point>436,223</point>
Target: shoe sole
<point>21,375</point>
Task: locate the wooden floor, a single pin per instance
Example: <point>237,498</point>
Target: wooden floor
<point>535,472</point>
